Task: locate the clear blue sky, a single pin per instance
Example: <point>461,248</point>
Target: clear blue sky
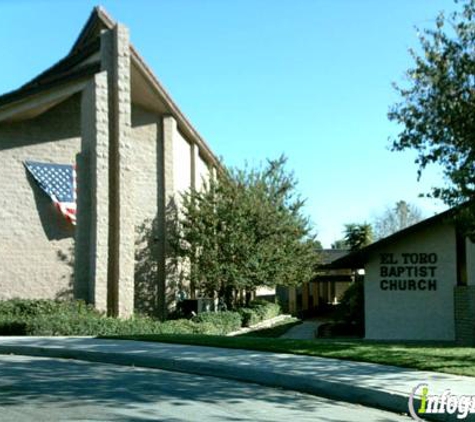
<point>258,78</point>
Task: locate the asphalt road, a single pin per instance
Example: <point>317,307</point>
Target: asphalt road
<point>43,389</point>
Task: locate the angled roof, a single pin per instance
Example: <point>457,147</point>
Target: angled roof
<point>98,20</point>
<point>357,259</point>
<point>327,256</point>
<point>75,66</point>
<point>63,71</point>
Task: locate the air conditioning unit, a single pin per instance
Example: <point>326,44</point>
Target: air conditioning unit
<point>197,306</point>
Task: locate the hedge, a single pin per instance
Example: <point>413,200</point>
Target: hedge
<point>75,318</point>
<point>222,322</point>
<point>258,311</point>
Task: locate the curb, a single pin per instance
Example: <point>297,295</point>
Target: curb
<point>350,393</point>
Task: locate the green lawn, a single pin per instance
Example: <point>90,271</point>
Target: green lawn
<point>440,358</point>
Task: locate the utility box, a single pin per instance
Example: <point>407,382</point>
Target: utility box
<point>197,306</point>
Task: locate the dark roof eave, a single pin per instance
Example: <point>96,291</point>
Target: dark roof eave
<point>65,64</point>
<point>97,17</point>
<point>53,82</point>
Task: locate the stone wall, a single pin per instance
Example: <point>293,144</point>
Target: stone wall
<point>147,170</point>
<point>36,241</point>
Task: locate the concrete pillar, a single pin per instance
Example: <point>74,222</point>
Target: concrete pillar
<point>167,203</point>
<point>92,234</point>
<point>195,156</point>
<point>213,172</point>
<point>115,56</point>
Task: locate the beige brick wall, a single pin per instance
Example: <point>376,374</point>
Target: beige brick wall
<point>147,170</point>
<point>36,242</point>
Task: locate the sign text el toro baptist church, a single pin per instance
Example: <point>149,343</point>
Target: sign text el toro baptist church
<point>408,271</point>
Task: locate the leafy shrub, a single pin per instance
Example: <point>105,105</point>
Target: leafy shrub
<point>49,317</point>
<point>249,317</point>
<point>223,322</point>
<point>67,325</point>
<point>265,309</point>
<point>258,311</point>
<point>34,307</point>
<point>178,326</point>
<point>65,318</point>
<point>351,307</point>
<point>75,318</point>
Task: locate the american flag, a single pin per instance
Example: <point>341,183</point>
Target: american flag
<point>59,182</point>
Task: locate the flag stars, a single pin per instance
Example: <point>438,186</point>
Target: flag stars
<point>58,181</point>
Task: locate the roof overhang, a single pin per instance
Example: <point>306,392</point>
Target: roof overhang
<point>37,99</point>
<point>67,77</point>
<point>150,94</point>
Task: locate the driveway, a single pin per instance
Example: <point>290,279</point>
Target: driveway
<point>45,389</point>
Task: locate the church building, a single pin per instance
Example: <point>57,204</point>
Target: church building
<point>92,153</point>
<point>419,283</point>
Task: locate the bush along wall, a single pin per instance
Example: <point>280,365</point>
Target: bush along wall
<point>258,311</point>
<point>75,318</point>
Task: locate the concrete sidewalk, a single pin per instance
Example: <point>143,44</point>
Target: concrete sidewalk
<point>307,330</point>
<point>373,385</point>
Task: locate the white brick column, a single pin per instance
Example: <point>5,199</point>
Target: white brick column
<point>93,222</point>
<point>166,201</point>
<point>115,56</point>
<point>195,156</point>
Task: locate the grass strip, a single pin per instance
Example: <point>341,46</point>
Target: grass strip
<point>427,357</point>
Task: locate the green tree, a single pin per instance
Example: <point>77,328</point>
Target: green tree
<point>399,217</point>
<point>351,309</point>
<point>358,236</point>
<point>245,230</point>
<point>436,110</point>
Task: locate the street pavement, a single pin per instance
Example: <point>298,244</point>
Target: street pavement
<point>367,384</point>
<point>45,389</point>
